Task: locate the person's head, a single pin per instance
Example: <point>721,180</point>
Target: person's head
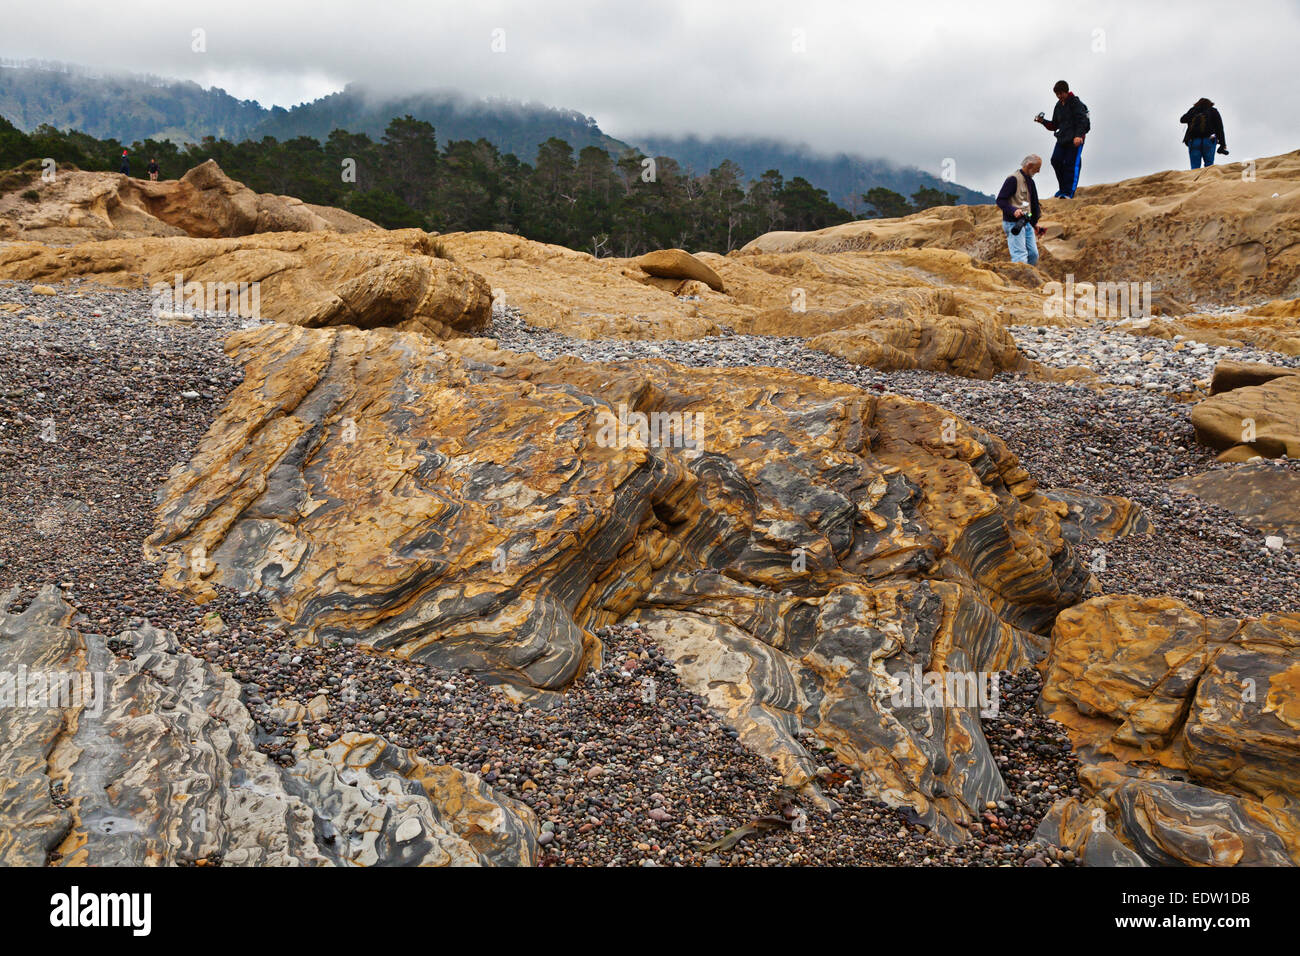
<point>1203,102</point>
<point>123,152</point>
<point>1061,89</point>
<point>1031,164</point>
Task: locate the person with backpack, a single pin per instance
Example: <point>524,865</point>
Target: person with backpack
<point>1018,200</point>
<point>1071,123</point>
<point>1204,133</point>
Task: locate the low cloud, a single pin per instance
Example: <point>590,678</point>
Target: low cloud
<point>916,83</point>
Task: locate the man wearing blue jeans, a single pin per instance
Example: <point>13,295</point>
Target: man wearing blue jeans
<point>1070,124</point>
<point>1018,200</point>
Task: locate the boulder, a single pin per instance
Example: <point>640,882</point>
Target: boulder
<point>956,346</point>
<point>801,548</point>
<point>1259,419</point>
<point>1229,375</point>
<point>1187,727</point>
<point>154,761</point>
<point>678,264</point>
<point>393,279</point>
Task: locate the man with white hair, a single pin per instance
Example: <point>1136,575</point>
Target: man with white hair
<point>1018,200</point>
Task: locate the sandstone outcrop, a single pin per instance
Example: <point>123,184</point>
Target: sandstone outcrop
<point>392,279</point>
<point>152,760</point>
<point>1187,729</point>
<point>1252,420</point>
<point>83,206</point>
<point>678,264</point>
<point>1229,233</point>
<point>1261,494</point>
<point>799,547</point>
<point>1271,327</point>
<point>586,297</point>
<point>967,347</point>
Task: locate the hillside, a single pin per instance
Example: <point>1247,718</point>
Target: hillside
<point>845,177</point>
<point>125,107</point>
<point>133,107</point>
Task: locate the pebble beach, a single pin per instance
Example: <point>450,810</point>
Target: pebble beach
<point>99,399</point>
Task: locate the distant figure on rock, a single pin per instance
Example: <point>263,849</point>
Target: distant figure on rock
<point>125,168</point>
<point>1018,200</point>
<point>153,168</point>
<point>1204,133</point>
<point>1071,123</point>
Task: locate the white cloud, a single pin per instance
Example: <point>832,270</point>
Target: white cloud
<point>916,82</point>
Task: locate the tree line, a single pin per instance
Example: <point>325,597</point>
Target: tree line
<point>606,205</point>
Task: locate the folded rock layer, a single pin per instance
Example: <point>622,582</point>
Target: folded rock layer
<point>796,544</point>
<point>152,760</point>
<point>1188,732</point>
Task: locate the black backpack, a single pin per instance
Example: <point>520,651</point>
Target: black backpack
<point>1198,124</point>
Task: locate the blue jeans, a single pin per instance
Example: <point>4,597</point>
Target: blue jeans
<point>1024,247</point>
<point>1067,160</point>
<point>1201,151</point>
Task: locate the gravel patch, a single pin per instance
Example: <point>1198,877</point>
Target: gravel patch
<point>128,397</point>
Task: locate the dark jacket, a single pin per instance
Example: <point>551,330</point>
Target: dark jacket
<point>1007,199</point>
<point>1214,124</point>
<point>1069,119</point>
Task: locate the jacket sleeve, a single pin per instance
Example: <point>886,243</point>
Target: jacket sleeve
<point>1005,195</point>
<point>1186,117</point>
<point>1218,128</point>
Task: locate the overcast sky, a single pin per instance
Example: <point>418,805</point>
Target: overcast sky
<point>915,81</point>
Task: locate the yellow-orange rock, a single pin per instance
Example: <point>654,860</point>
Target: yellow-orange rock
<point>678,264</point>
<point>798,544</point>
<point>966,347</point>
<point>1188,727</point>
<point>81,206</point>
<point>367,279</point>
<point>1212,234</point>
<point>1259,419</point>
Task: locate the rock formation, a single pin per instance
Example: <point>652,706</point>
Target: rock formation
<point>799,547</point>
<point>152,760</point>
<point>1261,494</point>
<point>81,206</point>
<point>1222,234</point>
<point>1247,420</point>
<point>1186,728</point>
<point>678,264</point>
<point>957,346</point>
<point>1274,326</point>
<point>393,279</point>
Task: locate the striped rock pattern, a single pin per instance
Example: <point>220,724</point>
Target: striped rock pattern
<point>1188,728</point>
<point>797,545</point>
<point>160,766</point>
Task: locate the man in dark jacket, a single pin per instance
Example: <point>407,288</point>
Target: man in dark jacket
<point>1204,133</point>
<point>1071,124</point>
<point>125,168</point>
<point>1018,200</point>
